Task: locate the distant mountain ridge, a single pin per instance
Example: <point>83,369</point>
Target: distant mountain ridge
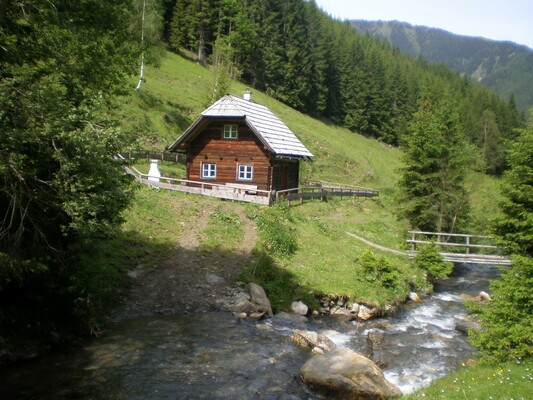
<point>505,67</point>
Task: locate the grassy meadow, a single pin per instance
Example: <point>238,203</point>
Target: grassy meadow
<point>317,255</point>
<point>326,259</point>
<point>509,381</point>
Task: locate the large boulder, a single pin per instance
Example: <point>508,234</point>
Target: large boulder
<point>259,298</point>
<point>344,374</point>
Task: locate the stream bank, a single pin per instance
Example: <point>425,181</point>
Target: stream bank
<point>213,355</point>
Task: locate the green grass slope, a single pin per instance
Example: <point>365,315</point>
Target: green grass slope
<point>175,93</point>
<point>327,259</point>
<point>173,96</point>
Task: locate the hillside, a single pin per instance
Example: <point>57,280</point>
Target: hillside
<point>326,256</point>
<point>176,92</point>
<point>505,67</point>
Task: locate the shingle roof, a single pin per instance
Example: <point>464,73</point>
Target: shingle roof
<point>269,128</point>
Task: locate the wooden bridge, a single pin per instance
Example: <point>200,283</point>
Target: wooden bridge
<point>455,241</point>
<point>464,248</point>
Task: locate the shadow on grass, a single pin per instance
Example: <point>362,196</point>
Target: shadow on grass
<point>281,285</point>
<point>49,308</point>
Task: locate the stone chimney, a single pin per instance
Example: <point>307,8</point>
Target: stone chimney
<point>247,95</point>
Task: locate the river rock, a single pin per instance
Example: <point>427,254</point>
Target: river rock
<point>343,313</point>
<point>318,342</point>
<point>299,308</point>
<point>375,339</point>
<point>344,374</point>
<point>484,296</point>
<point>364,313</point>
<point>242,295</point>
<point>289,320</point>
<point>465,326</point>
<point>259,298</point>
<point>239,315</point>
<point>414,297</point>
<point>241,305</point>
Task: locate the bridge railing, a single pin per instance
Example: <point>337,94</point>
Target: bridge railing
<point>461,247</point>
<point>456,241</point>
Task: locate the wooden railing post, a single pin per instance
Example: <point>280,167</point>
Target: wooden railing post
<point>413,244</point>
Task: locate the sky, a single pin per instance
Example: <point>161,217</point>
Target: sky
<point>493,19</point>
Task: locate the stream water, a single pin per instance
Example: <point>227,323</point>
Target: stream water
<point>215,356</point>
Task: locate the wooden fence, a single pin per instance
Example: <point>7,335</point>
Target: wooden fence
<point>323,190</point>
<point>228,191</point>
<point>246,193</point>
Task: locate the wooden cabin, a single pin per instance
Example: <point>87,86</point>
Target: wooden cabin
<point>240,143</point>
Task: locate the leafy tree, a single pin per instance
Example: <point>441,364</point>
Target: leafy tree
<point>60,185</point>
<point>381,270</point>
<point>432,194</point>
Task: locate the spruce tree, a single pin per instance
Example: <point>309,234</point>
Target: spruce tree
<point>433,197</point>
<point>516,227</point>
<point>508,318</point>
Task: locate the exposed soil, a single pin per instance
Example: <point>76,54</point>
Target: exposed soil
<point>189,280</point>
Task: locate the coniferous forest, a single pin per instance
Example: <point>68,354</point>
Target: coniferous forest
<point>296,53</point>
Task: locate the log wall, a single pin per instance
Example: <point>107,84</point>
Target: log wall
<point>210,147</point>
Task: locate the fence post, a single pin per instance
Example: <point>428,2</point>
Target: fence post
<point>467,244</point>
<point>413,244</point>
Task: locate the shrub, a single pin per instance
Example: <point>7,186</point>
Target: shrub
<point>429,259</point>
<point>381,270</point>
<point>508,318</point>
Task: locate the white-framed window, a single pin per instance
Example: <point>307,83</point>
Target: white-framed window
<point>209,171</point>
<point>245,172</point>
<point>230,132</point>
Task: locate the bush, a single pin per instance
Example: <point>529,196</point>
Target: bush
<point>381,270</point>
<point>429,259</point>
<point>508,318</point>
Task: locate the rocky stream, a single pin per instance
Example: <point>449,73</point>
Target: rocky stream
<point>216,355</point>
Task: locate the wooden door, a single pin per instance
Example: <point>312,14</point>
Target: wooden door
<point>284,177</point>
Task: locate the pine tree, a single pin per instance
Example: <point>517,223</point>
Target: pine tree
<point>516,227</point>
<point>432,194</point>
<point>508,318</point>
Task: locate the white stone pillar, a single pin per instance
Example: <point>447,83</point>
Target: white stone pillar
<point>153,173</point>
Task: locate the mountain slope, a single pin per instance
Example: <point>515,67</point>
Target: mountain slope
<point>176,92</point>
<point>505,67</point>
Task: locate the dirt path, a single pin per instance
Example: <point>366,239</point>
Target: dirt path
<point>189,280</point>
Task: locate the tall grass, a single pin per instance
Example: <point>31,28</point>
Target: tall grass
<point>509,381</point>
